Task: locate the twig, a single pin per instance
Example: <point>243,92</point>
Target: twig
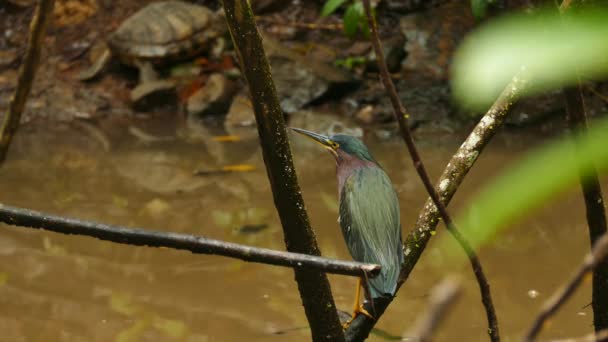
<point>597,255</point>
<point>456,170</point>
<point>597,93</point>
<point>314,288</point>
<point>599,336</point>
<point>565,5</point>
<point>308,26</point>
<point>443,296</point>
<point>195,244</point>
<point>27,73</point>
<point>402,118</point>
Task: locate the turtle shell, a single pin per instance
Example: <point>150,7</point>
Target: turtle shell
<point>165,31</point>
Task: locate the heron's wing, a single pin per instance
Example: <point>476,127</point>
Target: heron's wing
<point>369,218</point>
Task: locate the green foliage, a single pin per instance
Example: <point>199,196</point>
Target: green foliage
<point>331,6</point>
<point>542,175</point>
<point>479,7</point>
<point>554,51</point>
<point>354,17</point>
<point>350,62</point>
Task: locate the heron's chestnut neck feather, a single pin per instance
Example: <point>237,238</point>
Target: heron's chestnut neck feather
<point>346,164</point>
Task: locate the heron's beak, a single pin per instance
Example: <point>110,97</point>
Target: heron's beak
<point>325,141</point>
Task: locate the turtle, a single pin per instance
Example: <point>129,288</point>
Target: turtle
<point>158,34</point>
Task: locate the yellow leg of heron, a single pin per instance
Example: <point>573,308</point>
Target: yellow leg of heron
<point>357,307</point>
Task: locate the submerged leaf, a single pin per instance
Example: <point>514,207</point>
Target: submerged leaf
<point>123,303</point>
<point>3,278</point>
<point>239,168</point>
<point>135,332</point>
<point>226,169</point>
<point>227,138</point>
<point>172,328</point>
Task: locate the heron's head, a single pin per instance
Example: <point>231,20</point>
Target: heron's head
<point>338,144</point>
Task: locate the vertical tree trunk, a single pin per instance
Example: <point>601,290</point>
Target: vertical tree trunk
<point>595,210</point>
<point>299,237</point>
<point>12,117</point>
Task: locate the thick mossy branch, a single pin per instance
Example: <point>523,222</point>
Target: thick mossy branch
<point>12,117</point>
<point>299,237</point>
<point>457,169</point>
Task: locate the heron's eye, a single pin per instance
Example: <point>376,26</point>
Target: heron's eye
<point>335,145</point>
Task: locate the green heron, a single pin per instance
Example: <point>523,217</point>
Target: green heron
<point>369,214</point>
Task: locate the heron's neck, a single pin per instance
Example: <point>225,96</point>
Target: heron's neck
<point>346,164</point>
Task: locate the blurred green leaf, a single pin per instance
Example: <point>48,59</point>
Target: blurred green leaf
<point>479,7</point>
<point>352,18</point>
<point>363,24</point>
<point>552,49</point>
<point>542,175</point>
<point>331,6</point>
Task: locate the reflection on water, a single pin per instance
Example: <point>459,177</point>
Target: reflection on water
<point>67,288</point>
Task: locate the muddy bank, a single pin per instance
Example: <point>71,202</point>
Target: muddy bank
<point>317,69</point>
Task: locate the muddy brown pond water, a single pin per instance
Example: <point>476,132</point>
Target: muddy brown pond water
<point>55,287</point>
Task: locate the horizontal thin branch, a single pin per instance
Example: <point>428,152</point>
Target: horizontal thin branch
<point>443,296</point>
<point>600,336</point>
<point>598,253</point>
<point>195,244</point>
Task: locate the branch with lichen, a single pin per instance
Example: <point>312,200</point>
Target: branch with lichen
<point>12,117</point>
<point>314,287</point>
<point>457,169</point>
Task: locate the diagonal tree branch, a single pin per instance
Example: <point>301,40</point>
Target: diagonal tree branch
<point>457,169</point>
<point>360,328</point>
<point>597,255</point>
<point>600,336</point>
<point>315,291</point>
<point>443,297</point>
<point>195,244</point>
<point>453,175</point>
<point>27,72</point>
